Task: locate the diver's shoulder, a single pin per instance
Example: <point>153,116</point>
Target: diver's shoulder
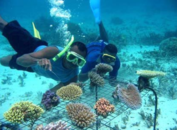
<point>100,42</point>
<point>93,56</point>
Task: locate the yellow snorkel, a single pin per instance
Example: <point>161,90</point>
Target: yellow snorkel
<point>64,50</point>
<point>37,35</point>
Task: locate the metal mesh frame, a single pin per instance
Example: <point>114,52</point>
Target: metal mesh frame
<point>89,97</point>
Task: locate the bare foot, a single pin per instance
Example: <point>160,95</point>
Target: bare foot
<point>2,24</point>
<point>5,60</point>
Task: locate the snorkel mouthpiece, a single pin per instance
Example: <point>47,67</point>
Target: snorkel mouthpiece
<point>64,50</point>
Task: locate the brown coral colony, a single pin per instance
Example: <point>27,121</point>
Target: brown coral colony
<point>80,114</point>
<point>96,79</point>
<point>103,68</point>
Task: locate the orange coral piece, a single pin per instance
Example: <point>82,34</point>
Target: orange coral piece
<point>103,107</point>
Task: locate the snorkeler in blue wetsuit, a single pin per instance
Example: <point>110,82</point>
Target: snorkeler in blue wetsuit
<point>34,55</point>
<point>100,51</point>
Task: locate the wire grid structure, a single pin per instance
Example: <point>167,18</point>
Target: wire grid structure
<point>89,97</point>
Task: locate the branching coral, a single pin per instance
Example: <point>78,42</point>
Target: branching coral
<point>80,114</point>
<point>103,68</point>
<point>95,79</point>
<point>23,111</point>
<point>103,107</point>
<point>130,96</point>
<point>69,92</point>
<point>50,99</point>
<point>151,39</point>
<point>149,73</point>
<point>54,126</point>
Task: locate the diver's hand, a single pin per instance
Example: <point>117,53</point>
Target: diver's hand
<point>112,81</point>
<point>45,63</point>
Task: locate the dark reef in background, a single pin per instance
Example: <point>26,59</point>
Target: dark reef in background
<point>116,20</point>
<point>155,39</point>
<point>151,39</point>
<point>47,28</point>
<point>76,30</point>
<point>169,34</point>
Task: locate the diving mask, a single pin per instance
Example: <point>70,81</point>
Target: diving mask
<point>108,58</point>
<point>75,58</point>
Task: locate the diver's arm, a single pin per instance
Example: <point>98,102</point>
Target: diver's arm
<point>54,89</point>
<point>83,77</point>
<point>73,80</point>
<point>30,59</point>
<point>113,81</point>
<point>114,73</point>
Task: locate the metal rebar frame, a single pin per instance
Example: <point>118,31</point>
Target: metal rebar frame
<point>89,97</point>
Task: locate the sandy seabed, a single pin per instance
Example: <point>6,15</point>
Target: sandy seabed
<point>33,86</point>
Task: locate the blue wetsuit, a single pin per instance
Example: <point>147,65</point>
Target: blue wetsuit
<point>93,58</point>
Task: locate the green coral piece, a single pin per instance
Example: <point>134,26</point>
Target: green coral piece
<point>22,112</point>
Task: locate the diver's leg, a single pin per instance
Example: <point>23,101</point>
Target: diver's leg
<point>10,61</point>
<point>103,33</point>
<point>95,7</point>
<point>5,60</point>
<point>21,41</point>
<point>2,24</point>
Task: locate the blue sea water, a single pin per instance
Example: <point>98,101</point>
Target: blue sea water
<point>136,27</point>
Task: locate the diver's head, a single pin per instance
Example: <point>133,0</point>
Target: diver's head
<point>76,55</point>
<point>109,53</point>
